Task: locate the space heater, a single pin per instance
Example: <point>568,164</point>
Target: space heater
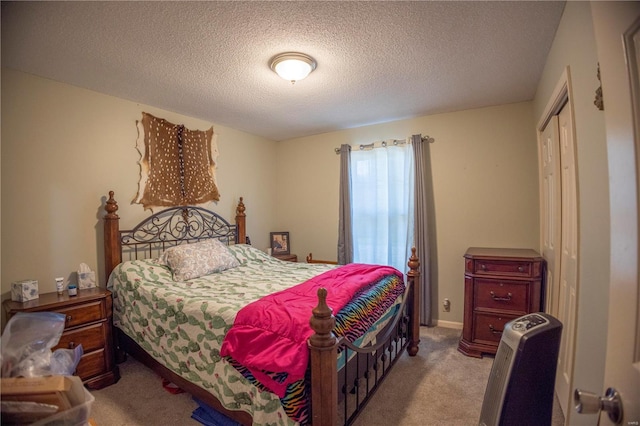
<point>521,383</point>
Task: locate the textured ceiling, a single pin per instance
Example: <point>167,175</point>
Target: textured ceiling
<point>377,61</point>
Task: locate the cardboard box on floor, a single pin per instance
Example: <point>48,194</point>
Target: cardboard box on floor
<point>65,392</point>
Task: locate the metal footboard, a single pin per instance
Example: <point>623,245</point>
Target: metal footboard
<point>368,366</point>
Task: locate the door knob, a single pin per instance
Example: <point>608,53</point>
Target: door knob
<point>590,403</point>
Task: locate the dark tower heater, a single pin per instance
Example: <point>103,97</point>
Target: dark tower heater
<point>522,379</point>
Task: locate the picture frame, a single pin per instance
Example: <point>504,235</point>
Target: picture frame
<point>280,243</point>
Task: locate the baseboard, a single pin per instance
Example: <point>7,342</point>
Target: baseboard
<point>449,324</point>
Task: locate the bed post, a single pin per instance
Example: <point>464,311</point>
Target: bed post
<point>414,318</point>
<point>112,253</point>
<point>241,227</point>
<point>324,367</point>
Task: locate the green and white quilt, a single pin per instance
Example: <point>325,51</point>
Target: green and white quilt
<point>182,323</point>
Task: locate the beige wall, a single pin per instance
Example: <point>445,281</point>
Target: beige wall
<point>574,46</point>
<point>485,179</point>
<point>64,148</point>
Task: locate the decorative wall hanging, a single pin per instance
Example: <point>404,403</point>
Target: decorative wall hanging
<point>177,165</point>
<point>599,101</point>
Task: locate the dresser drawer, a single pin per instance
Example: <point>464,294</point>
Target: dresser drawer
<point>91,338</point>
<point>83,314</point>
<point>87,322</point>
<point>91,364</point>
<point>512,268</point>
<point>488,328</point>
<point>501,295</point>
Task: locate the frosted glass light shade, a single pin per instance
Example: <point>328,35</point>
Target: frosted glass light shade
<point>293,66</point>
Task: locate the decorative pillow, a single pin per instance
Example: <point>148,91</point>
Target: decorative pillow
<point>188,261</point>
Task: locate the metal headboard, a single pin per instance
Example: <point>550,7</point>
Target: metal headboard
<point>170,227</point>
<point>174,226</point>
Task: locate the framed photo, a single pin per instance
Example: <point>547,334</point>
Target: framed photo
<point>280,243</point>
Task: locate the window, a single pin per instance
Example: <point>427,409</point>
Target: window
<point>382,205</point>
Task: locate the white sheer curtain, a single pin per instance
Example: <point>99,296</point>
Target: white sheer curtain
<point>382,205</point>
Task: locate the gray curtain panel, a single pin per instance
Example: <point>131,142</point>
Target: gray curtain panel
<point>345,236</point>
<point>423,187</point>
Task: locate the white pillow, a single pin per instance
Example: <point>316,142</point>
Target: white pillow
<point>188,261</point>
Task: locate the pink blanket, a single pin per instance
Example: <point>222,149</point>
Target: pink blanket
<point>270,335</point>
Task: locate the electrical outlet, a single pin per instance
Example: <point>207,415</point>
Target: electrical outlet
<point>446,305</point>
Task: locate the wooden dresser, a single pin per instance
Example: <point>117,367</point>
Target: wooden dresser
<point>500,284</point>
<point>88,322</point>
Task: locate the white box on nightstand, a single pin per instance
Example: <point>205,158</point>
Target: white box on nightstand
<point>22,291</point>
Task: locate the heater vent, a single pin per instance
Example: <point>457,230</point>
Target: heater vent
<point>494,395</point>
<point>521,382</point>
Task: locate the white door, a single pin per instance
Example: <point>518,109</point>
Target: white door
<point>622,368</point>
<point>560,229</point>
<point>550,211</point>
<point>567,297</point>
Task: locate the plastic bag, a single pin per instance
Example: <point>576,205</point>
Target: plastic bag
<point>26,346</point>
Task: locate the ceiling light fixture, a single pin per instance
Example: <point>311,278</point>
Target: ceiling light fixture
<point>293,66</point>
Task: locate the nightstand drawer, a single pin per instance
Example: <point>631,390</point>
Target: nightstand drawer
<point>502,295</point>
<point>91,364</point>
<point>503,267</point>
<point>488,328</point>
<point>83,314</point>
<point>87,322</point>
<point>91,338</point>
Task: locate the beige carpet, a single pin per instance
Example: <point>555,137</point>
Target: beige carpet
<point>439,386</point>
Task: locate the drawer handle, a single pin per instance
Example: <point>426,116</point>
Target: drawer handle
<point>501,299</point>
<point>520,269</point>
<point>483,266</point>
<point>72,345</point>
<point>493,330</point>
<point>69,318</point>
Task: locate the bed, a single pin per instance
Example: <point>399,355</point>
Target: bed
<point>181,326</point>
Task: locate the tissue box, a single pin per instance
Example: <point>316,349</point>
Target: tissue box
<point>22,291</point>
<point>86,279</point>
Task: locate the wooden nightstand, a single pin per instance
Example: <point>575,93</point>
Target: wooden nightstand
<point>287,257</point>
<point>499,285</point>
<point>88,322</point>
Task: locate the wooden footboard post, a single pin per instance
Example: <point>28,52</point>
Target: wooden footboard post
<point>241,226</point>
<point>112,253</point>
<point>324,367</point>
<point>414,317</point>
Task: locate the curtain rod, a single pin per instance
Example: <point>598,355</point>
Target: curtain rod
<point>384,144</point>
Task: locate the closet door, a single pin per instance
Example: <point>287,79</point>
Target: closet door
<point>568,291</point>
<point>550,211</point>
<point>559,239</point>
